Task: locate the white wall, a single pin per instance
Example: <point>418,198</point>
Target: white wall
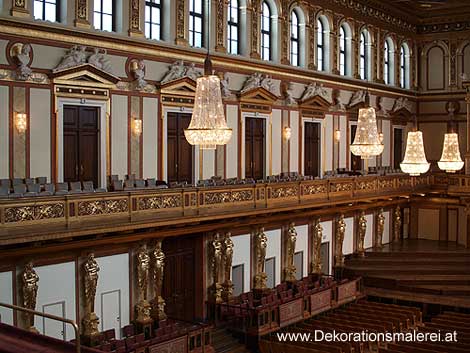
<point>274,250</point>
<point>56,288</point>
<point>386,155</point>
<point>276,142</point>
<point>6,296</point>
<point>348,244</point>
<point>113,280</point>
<point>386,238</point>
<point>302,245</point>
<point>232,149</point>
<point>4,136</point>
<point>208,164</point>
<point>368,240</point>
<point>328,237</point>
<point>119,125</point>
<point>40,136</point>
<point>242,256</point>
<point>294,142</point>
<point>343,148</point>
<point>328,143</point>
<point>150,137</point>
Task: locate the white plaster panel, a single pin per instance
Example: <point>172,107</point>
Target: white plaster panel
<point>4,135</point>
<point>232,146</point>
<point>6,296</point>
<point>428,224</point>
<point>343,150</point>
<point>328,143</point>
<point>208,161</point>
<point>119,136</point>
<point>47,57</point>
<point>40,133</point>
<point>328,238</point>
<point>273,249</point>
<point>302,245</point>
<point>348,243</point>
<point>276,141</point>
<point>386,236</point>
<point>56,288</point>
<point>294,142</point>
<point>114,278</point>
<point>242,256</point>
<point>368,240</point>
<point>150,137</point>
<point>3,47</point>
<point>386,155</point>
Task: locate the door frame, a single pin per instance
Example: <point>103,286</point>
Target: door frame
<point>103,156</point>
<point>268,158</point>
<point>322,143</point>
<point>102,294</point>
<point>64,328</point>
<point>392,143</point>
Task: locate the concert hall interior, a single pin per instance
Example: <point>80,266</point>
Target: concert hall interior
<point>185,176</point>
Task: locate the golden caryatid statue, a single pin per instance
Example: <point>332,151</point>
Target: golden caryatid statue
<point>291,239</point>
<point>158,303</point>
<point>30,293</point>
<point>317,239</point>
<point>143,307</point>
<point>261,242</point>
<point>361,233</point>
<point>397,223</point>
<point>339,238</point>
<point>228,258</point>
<point>90,320</point>
<point>380,228</point>
<point>217,266</point>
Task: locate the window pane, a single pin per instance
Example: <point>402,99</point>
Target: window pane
<point>97,5</point>
<point>198,6</point>
<point>97,20</point>
<point>147,13</point>
<point>108,6</point>
<point>155,32</point>
<point>107,23</point>
<point>198,24</point>
<point>147,30</point>
<point>38,10</point>
<point>50,12</point>
<point>198,40</point>
<point>234,33</point>
<point>156,15</point>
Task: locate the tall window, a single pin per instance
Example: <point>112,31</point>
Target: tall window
<point>266,32</point>
<point>320,46</point>
<point>233,27</point>
<point>196,19</point>
<point>342,51</point>
<point>387,63</point>
<point>364,65</point>
<point>103,18</point>
<point>46,10</point>
<point>153,19</point>
<point>294,39</point>
<point>403,68</point>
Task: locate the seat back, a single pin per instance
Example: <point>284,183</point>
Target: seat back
<point>49,187</point>
<point>17,181</point>
<point>88,186</point>
<point>28,181</point>
<point>4,190</point>
<point>41,180</point>
<point>140,183</point>
<point>62,187</point>
<point>34,188</point>
<point>75,186</point>
<point>117,185</point>
<point>19,188</point>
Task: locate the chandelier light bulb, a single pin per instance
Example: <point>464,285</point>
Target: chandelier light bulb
<point>415,162</point>
<point>367,142</point>
<point>450,160</point>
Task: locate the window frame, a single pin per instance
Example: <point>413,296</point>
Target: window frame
<point>342,51</point>
<point>43,3</point>
<point>101,13</point>
<point>387,63</point>
<point>403,68</point>
<point>294,39</point>
<point>233,24</point>
<point>266,32</point>
<point>192,18</point>
<point>320,46</point>
<point>150,4</point>
<point>363,55</point>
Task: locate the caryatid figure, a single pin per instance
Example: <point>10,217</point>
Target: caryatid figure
<point>30,292</point>
<point>339,238</point>
<point>261,242</point>
<point>228,256</point>
<point>90,275</point>
<point>397,223</point>
<point>317,239</point>
<point>361,233</point>
<point>290,251</point>
<point>217,258</point>
<point>143,268</point>
<point>159,257</point>
<point>380,228</point>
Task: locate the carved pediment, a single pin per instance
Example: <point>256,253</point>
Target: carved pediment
<point>85,75</point>
<point>258,95</point>
<point>316,102</point>
<point>179,92</point>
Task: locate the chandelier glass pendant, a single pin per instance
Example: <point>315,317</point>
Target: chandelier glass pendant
<point>450,160</point>
<point>208,127</point>
<point>367,142</point>
<point>415,162</point>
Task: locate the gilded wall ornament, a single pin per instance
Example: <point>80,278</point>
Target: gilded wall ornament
<point>380,228</point>
<point>217,266</point>
<point>90,279</point>
<point>397,223</point>
<point>339,239</point>
<point>30,281</point>
<point>22,56</point>
<point>317,241</point>
<point>228,258</point>
<point>261,243</point>
<point>291,239</point>
<point>158,303</point>
<point>143,307</point>
<point>361,233</point>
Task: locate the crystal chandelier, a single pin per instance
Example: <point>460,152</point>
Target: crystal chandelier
<point>208,127</point>
<point>415,161</point>
<point>450,160</point>
<point>367,142</point>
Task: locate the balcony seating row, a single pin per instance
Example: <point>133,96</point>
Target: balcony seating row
<point>131,183</point>
<point>29,189</point>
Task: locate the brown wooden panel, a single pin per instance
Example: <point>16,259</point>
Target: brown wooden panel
<point>254,148</point>
<point>312,149</point>
<point>356,161</point>
<point>179,151</point>
<point>397,147</point>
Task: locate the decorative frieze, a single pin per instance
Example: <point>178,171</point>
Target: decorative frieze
<point>181,23</point>
<point>102,207</point>
<point>221,27</point>
<point>81,14</point>
<point>135,29</point>
<point>39,212</point>
<point>255,29</point>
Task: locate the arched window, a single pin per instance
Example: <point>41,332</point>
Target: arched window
<point>386,63</point>
<point>103,15</point>
<point>320,46</point>
<point>266,32</point>
<point>46,10</point>
<point>153,19</point>
<point>404,66</point>
<point>294,39</point>
<point>233,27</point>
<point>364,55</point>
<point>389,61</point>
<point>196,20</point>
<point>342,51</point>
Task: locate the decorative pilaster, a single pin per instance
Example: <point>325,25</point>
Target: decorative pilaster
<point>453,63</point>
<point>135,29</point>
<point>376,50</point>
<point>19,8</point>
<point>312,38</point>
<point>466,85</point>
<point>81,14</point>
<point>355,42</point>
<point>397,223</point>
<point>284,20</point>
<point>380,50</point>
<point>221,27</point>
<point>334,44</point>
<point>255,29</point>
<point>181,22</point>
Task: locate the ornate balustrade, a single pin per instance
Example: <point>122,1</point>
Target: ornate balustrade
<point>162,204</point>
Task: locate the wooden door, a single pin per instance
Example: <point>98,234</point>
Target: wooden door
<point>356,161</point>
<point>312,149</point>
<point>180,152</point>
<point>81,136</point>
<point>179,284</point>
<point>254,148</point>
<point>397,147</point>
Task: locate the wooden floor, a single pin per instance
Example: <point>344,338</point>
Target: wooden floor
<point>422,271</point>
